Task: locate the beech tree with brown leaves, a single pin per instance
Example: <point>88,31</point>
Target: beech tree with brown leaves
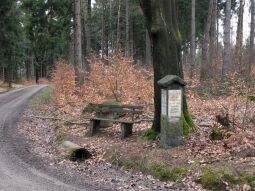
<point>165,36</point>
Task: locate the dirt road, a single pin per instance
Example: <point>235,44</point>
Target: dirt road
<point>17,174</point>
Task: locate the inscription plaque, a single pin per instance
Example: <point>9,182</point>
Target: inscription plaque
<point>163,102</point>
<point>174,103</point>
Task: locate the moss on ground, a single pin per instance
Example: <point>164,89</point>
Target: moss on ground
<point>150,135</point>
<point>188,123</point>
<point>215,179</point>
<point>156,169</point>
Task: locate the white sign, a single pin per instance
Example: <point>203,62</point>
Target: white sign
<point>174,103</point>
<point>163,102</point>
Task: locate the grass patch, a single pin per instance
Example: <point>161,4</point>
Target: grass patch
<point>150,135</point>
<point>216,134</point>
<point>167,173</point>
<point>156,169</point>
<point>214,179</point>
<point>61,137</point>
<point>45,96</point>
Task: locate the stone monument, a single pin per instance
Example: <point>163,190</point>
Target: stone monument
<point>172,88</point>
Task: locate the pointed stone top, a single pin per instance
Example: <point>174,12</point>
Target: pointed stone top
<point>170,79</point>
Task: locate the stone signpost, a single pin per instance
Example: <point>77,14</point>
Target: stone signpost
<point>172,88</point>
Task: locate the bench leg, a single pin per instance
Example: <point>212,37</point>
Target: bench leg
<point>126,130</point>
<point>94,125</point>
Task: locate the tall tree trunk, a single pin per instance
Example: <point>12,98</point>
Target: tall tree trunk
<point>239,37</point>
<point>118,28</point>
<point>193,38</point>
<point>204,73</point>
<point>212,46</point>
<point>84,28</point>
<point>127,49</point>
<point>163,29</point>
<point>89,27</point>
<point>227,48</point>
<point>148,59</point>
<point>252,35</point>
<point>102,28</point>
<point>77,42</point>
<point>131,37</point>
<point>9,68</point>
<point>111,36</point>
<point>217,31</point>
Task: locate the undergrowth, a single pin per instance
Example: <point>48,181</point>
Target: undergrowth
<point>150,135</point>
<point>45,96</point>
<point>157,169</point>
<point>217,179</point>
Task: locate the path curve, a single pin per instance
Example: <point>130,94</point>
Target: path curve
<point>15,173</point>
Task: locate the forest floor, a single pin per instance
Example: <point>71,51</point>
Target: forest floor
<point>4,87</point>
<point>200,163</point>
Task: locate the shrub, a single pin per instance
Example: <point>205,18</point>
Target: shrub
<point>120,79</point>
<point>150,134</point>
<point>63,78</point>
<point>214,179</point>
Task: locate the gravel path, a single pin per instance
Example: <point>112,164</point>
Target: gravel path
<point>19,169</point>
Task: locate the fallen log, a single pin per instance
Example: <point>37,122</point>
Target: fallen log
<point>76,152</point>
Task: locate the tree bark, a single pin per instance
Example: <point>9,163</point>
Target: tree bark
<point>127,49</point>
<point>118,28</point>
<point>239,37</point>
<point>89,27</point>
<point>204,73</point>
<point>166,45</point>
<point>252,35</point>
<point>84,28</point>
<point>102,28</point>
<point>148,58</point>
<point>193,38</point>
<point>77,42</point>
<point>213,40</point>
<point>227,30</point>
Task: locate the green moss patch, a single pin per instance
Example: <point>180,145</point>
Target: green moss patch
<point>167,173</point>
<point>150,135</point>
<point>156,169</point>
<point>217,179</point>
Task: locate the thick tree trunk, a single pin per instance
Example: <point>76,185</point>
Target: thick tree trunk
<point>193,38</point>
<point>239,37</point>
<point>227,48</point>
<point>204,73</point>
<point>77,42</point>
<point>166,45</point>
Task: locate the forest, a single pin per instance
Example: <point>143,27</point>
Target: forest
<point>157,94</point>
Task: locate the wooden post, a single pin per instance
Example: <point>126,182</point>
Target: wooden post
<point>93,127</point>
<point>126,130</point>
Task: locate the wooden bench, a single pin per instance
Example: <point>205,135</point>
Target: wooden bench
<point>120,110</point>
